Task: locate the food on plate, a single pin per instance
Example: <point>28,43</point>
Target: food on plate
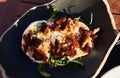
<point>58,42</point>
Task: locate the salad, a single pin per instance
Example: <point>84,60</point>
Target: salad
<point>57,42</point>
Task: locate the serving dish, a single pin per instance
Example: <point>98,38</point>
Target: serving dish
<point>18,65</point>
<point>112,73</point>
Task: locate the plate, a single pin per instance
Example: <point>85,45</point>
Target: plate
<point>112,73</point>
<point>18,65</point>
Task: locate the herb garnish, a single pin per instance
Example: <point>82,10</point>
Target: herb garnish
<point>42,71</point>
<point>63,61</point>
<point>34,32</point>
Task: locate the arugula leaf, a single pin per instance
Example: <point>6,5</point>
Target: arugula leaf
<point>78,61</point>
<point>58,62</point>
<point>54,9</point>
<point>34,32</point>
<point>42,71</point>
<point>53,13</point>
<point>63,61</point>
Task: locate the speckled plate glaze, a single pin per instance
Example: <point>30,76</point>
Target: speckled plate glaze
<point>18,65</point>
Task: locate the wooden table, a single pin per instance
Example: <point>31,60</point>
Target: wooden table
<point>11,10</point>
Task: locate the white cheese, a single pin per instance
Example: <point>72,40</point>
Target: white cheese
<point>56,35</point>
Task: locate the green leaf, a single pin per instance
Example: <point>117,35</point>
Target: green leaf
<point>42,71</point>
<point>54,9</point>
<point>34,32</point>
<point>78,61</point>
<point>78,18</point>
<point>58,61</point>
<point>53,13</point>
<point>64,61</point>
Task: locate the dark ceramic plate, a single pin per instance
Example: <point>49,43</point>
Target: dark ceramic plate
<point>18,65</point>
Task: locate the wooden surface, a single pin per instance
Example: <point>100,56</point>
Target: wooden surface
<point>115,9</point>
<point>11,10</point>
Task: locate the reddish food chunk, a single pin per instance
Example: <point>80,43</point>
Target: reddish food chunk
<point>70,52</point>
<point>35,42</point>
<point>60,21</point>
<point>38,55</point>
<point>57,46</point>
<point>87,49</point>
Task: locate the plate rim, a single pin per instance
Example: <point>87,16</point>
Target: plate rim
<point>111,72</point>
